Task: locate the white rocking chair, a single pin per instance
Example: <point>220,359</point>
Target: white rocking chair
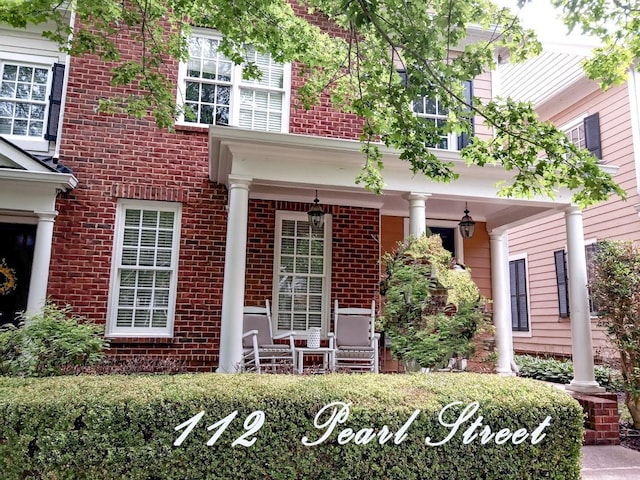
<point>354,340</point>
<point>259,352</point>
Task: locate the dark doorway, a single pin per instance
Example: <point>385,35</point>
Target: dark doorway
<point>448,236</point>
<point>16,256</point>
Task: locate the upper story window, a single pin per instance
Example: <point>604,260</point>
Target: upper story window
<point>31,90</point>
<point>213,91</point>
<point>433,110</point>
<point>584,132</point>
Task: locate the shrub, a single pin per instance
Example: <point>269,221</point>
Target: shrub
<point>431,310</point>
<point>615,290</point>
<point>561,371</point>
<point>46,343</point>
<point>119,427</point>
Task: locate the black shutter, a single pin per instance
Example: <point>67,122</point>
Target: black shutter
<point>592,135</point>
<point>463,139</point>
<point>562,282</point>
<point>518,288</point>
<point>55,100</point>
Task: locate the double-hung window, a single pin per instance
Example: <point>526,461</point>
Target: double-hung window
<point>30,94</point>
<point>144,269</point>
<point>435,112</point>
<point>302,273</point>
<point>213,91</point>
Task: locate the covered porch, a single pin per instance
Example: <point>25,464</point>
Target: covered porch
<point>272,181</point>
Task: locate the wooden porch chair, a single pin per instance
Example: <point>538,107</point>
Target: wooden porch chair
<point>259,352</point>
<point>354,340</point>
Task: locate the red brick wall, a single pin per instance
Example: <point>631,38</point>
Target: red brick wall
<point>355,251</point>
<point>117,157</point>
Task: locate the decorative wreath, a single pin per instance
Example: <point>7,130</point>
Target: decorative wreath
<point>7,278</point>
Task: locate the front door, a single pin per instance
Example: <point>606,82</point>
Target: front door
<point>16,256</point>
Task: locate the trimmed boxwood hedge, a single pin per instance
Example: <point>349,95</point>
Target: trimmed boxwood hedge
<point>123,427</point>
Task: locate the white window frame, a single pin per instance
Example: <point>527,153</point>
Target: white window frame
<point>114,287</point>
<point>451,138</point>
<point>326,293</point>
<point>572,125</point>
<point>587,243</point>
<point>36,144</point>
<point>458,241</point>
<point>522,333</point>
<point>236,84</point>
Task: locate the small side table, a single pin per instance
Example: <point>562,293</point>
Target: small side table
<point>327,356</point>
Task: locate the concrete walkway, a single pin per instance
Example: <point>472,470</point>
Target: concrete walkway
<point>610,463</point>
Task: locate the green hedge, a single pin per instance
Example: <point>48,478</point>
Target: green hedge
<point>123,427</point>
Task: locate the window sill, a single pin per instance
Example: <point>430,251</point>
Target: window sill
<point>131,339</point>
<point>191,127</point>
<point>521,334</point>
<point>28,144</point>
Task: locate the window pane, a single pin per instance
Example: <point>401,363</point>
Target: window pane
<point>10,72</point>
<point>8,90</point>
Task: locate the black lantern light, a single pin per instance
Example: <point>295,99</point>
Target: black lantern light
<point>316,215</point>
<point>467,225</point>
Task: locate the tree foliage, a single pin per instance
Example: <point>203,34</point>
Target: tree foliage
<point>616,24</point>
<point>615,290</point>
<point>357,68</point>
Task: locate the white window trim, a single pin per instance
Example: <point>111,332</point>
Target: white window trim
<point>236,83</point>
<point>25,142</point>
<point>114,283</point>
<point>633,86</point>
<point>587,241</point>
<point>528,333</point>
<point>326,294</point>
<point>458,241</point>
<point>590,241</point>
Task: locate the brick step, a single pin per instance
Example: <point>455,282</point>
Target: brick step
<point>601,422</point>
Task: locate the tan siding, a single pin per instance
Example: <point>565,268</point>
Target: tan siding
<point>477,256</point>
<point>482,90</point>
<point>613,219</point>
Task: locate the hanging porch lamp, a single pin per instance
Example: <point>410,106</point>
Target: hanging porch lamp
<point>316,215</point>
<point>467,225</point>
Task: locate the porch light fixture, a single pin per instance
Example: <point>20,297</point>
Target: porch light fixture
<point>316,215</point>
<point>467,225</point>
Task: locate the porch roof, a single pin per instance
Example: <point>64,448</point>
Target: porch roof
<point>291,167</point>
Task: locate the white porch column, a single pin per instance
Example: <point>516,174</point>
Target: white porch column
<point>41,261</point>
<point>501,293</point>
<point>417,213</point>
<point>582,349</point>
<point>234,275</point>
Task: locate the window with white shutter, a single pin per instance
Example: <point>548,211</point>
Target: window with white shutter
<point>213,90</point>
<point>518,289</point>
<point>302,273</point>
<point>144,271</point>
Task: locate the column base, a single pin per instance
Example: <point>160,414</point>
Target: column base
<point>584,387</point>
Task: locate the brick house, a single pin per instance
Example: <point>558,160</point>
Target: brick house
<point>608,124</point>
<point>164,236</point>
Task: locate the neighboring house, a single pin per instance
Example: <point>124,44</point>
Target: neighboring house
<point>168,234</point>
<point>31,92</point>
<point>607,123</point>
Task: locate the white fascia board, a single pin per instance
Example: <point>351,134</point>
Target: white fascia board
<point>60,181</point>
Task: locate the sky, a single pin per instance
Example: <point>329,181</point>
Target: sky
<point>544,19</point>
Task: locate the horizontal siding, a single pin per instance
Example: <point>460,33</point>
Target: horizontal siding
<point>538,78</point>
<point>614,219</point>
<point>482,90</point>
<point>477,256</point>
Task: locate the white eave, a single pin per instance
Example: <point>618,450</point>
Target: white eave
<point>61,181</point>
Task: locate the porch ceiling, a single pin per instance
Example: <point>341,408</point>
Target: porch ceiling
<point>292,167</point>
